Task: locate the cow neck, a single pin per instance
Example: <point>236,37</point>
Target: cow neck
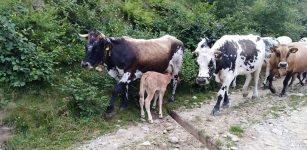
<point>107,50</point>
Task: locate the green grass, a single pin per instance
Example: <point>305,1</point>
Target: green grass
<point>41,120</point>
<point>236,129</point>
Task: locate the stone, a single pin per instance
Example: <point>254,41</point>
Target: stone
<point>145,128</point>
<point>276,131</point>
<point>164,132</point>
<point>305,142</point>
<point>121,131</point>
<point>173,139</point>
<point>170,127</point>
<point>233,137</point>
<point>147,143</point>
<point>233,148</point>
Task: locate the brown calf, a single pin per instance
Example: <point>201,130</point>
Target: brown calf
<point>153,83</point>
<point>288,60</point>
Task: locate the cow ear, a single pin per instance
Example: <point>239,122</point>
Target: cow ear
<point>108,47</point>
<point>218,54</point>
<point>293,50</point>
<point>273,49</point>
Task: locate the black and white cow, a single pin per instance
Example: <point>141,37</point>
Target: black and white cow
<point>125,59</point>
<point>230,56</point>
<point>269,43</point>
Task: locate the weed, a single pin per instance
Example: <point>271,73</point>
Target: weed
<point>219,142</point>
<point>237,130</point>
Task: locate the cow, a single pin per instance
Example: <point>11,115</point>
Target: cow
<point>230,56</point>
<point>154,84</point>
<point>284,40</point>
<point>304,39</point>
<point>269,43</point>
<point>126,59</point>
<point>287,61</point>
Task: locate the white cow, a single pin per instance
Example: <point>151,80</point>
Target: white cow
<point>304,39</point>
<point>230,56</point>
<point>284,40</point>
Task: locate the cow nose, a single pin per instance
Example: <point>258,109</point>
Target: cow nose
<point>283,64</point>
<point>201,80</point>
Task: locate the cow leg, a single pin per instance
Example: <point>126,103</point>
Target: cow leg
<point>174,81</point>
<point>292,80</point>
<point>141,101</point>
<point>147,106</point>
<point>124,102</point>
<point>155,100</point>
<point>234,82</point>
<point>270,80</point>
<point>285,83</point>
<point>267,73</point>
<point>226,103</point>
<point>256,80</point>
<point>161,95</point>
<point>300,79</point>
<point>221,94</point>
<point>125,80</point>
<point>246,84</point>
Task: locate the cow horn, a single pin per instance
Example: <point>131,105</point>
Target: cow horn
<point>102,35</point>
<point>195,52</point>
<point>83,35</point>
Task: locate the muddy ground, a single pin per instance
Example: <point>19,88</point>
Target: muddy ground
<point>268,122</point>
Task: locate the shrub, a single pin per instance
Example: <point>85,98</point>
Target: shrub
<point>85,99</point>
<point>22,61</point>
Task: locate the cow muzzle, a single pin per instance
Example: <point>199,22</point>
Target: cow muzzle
<point>86,65</point>
<point>202,80</point>
<point>283,65</point>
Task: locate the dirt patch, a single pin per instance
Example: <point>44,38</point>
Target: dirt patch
<point>255,117</point>
<point>5,132</point>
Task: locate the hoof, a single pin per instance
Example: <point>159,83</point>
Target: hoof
<point>171,99</point>
<point>143,118</point>
<point>108,115</point>
<point>160,116</point>
<point>273,90</point>
<point>282,95</point>
<point>265,86</point>
<point>245,95</point>
<point>109,109</point>
<point>225,106</point>
<point>150,121</point>
<point>254,97</point>
<point>122,108</point>
<point>215,112</point>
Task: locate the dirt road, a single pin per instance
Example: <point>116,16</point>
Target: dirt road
<point>268,122</point>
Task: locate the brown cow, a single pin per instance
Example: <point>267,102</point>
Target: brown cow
<point>287,61</point>
<point>154,84</point>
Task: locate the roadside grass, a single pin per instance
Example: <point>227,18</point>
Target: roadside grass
<point>237,130</point>
<point>40,119</point>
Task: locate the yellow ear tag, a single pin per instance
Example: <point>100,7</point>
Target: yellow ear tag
<point>108,48</point>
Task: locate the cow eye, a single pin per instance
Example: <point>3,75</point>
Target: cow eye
<point>277,53</point>
<point>203,45</point>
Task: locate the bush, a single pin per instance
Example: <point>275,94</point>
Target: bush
<point>85,99</point>
<point>20,60</point>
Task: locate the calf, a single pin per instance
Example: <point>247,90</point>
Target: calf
<point>125,59</point>
<point>230,56</point>
<point>288,60</point>
<point>154,84</point>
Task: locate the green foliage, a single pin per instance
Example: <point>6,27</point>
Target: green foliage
<point>22,62</point>
<point>85,99</point>
<point>189,69</point>
<point>237,130</point>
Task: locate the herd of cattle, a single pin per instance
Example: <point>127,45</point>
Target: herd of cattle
<point>160,60</point>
